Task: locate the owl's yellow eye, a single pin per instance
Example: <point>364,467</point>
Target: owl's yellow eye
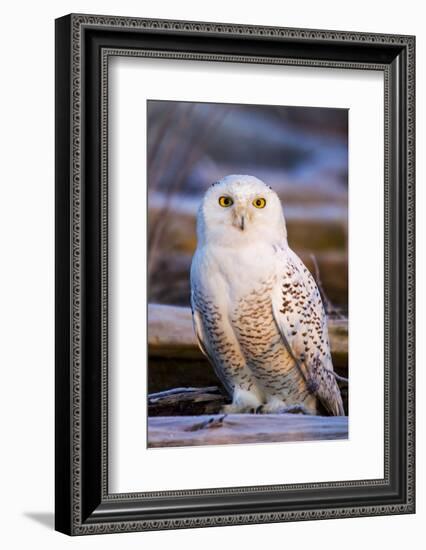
<point>225,201</point>
<point>259,202</point>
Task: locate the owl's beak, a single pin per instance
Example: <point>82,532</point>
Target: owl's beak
<point>240,221</point>
<point>240,216</point>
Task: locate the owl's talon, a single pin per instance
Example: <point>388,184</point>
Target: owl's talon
<point>295,409</point>
<point>273,408</point>
<point>238,409</point>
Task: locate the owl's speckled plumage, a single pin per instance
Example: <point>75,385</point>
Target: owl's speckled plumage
<point>257,311</point>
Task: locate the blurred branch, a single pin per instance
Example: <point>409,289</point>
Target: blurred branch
<point>154,149</point>
<point>164,148</point>
<point>330,309</point>
<point>188,152</point>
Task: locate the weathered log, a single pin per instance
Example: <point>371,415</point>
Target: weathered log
<point>179,431</point>
<point>171,335</point>
<point>186,401</point>
<point>309,230</point>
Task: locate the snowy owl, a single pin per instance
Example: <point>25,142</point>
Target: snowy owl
<point>257,312</point>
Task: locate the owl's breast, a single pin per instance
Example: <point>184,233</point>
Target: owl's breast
<point>261,342</point>
<point>253,320</point>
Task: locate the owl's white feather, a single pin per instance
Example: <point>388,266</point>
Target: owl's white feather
<point>257,311</point>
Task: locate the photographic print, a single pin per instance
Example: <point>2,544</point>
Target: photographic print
<point>247,273</point>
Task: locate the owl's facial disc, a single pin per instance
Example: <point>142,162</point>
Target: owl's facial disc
<point>240,210</point>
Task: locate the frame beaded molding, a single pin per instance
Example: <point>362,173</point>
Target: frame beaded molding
<point>78,23</point>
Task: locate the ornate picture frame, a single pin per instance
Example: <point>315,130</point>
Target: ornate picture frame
<point>84,44</point>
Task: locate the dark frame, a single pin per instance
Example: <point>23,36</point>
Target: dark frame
<point>83,46</point>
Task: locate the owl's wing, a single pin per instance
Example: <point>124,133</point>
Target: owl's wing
<point>301,319</point>
<point>205,346</point>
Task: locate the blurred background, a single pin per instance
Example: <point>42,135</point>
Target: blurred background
<point>301,152</point>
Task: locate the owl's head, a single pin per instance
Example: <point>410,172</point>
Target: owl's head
<point>240,209</point>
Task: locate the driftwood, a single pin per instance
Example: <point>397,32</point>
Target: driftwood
<point>171,335</point>
<point>192,401</point>
<point>186,401</point>
<point>326,235</point>
<point>179,431</point>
